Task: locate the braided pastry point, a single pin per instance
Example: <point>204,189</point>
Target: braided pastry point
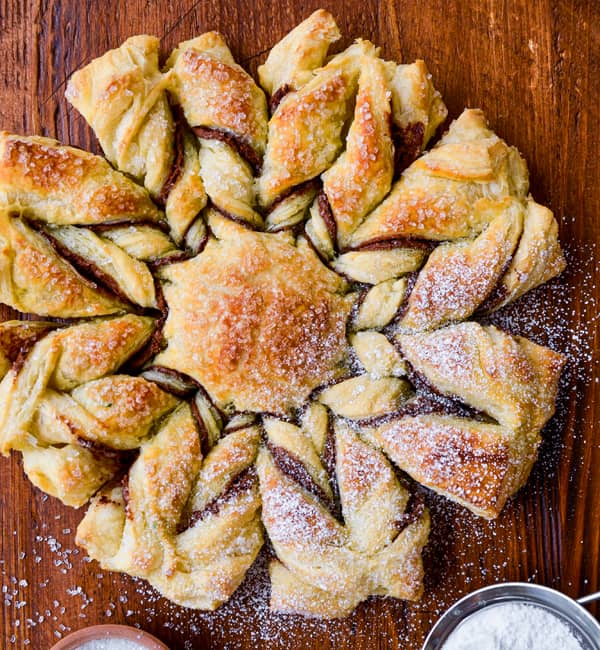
<point>62,411</point>
<point>228,113</point>
<point>53,266</point>
<point>459,276</point>
<point>361,177</point>
<point>441,195</point>
<point>511,379</point>
<point>511,383</point>
<point>292,61</point>
<point>123,97</point>
<point>305,132</point>
<point>188,525</point>
<point>537,259</point>
<point>417,110</point>
<point>62,185</point>
<point>325,568</point>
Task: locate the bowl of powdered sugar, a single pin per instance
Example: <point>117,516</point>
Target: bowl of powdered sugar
<point>515,616</point>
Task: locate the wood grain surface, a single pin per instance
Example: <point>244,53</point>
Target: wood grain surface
<point>534,67</point>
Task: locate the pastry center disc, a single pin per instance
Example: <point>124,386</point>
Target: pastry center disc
<point>257,319</point>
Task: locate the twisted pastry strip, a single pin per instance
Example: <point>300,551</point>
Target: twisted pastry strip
<point>360,178</point>
<point>63,412</point>
<point>325,568</point>
<point>417,110</point>
<point>62,185</point>
<point>228,113</point>
<point>469,190</point>
<point>123,97</point>
<point>187,524</point>
<point>459,276</point>
<point>305,132</point>
<point>52,265</point>
<point>478,463</point>
<point>34,278</point>
<point>293,59</point>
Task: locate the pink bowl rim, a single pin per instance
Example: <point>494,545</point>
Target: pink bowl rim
<point>96,632</point>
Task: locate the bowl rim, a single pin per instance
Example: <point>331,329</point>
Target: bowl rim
<point>93,632</point>
<point>565,606</point>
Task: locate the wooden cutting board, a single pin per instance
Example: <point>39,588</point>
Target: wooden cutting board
<point>534,67</point>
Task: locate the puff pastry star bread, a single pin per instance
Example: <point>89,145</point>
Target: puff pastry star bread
<point>261,317</point>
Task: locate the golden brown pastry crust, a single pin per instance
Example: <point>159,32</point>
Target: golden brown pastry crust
<point>137,530</point>
<point>216,92</point>
<point>476,464</point>
<point>417,107</point>
<point>492,371</point>
<point>244,322</point>
<point>63,185</point>
<point>123,97</point>
<point>362,175</point>
<point>324,568</point>
<point>305,132</point>
<point>479,464</point>
<point>66,416</point>
<point>444,194</point>
<point>293,59</point>
<point>228,113</point>
<point>459,276</point>
<point>34,278</point>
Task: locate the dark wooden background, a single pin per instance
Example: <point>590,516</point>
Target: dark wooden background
<point>534,67</point>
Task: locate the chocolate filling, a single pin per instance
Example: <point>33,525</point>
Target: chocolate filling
<point>100,281</point>
<point>125,492</point>
<point>452,405</point>
<point>243,482</point>
<point>277,96</point>
<point>178,159</point>
<point>328,458</point>
<point>17,349</point>
<point>414,509</point>
<point>408,144</point>
<point>101,450</point>
<point>326,214</point>
<point>172,258</point>
<point>202,430</point>
<point>398,242</point>
<point>294,468</point>
<point>157,341</point>
<point>496,296</point>
<point>499,292</point>
<point>311,185</point>
<point>419,405</point>
<point>362,296</point>
<point>245,150</point>
<point>181,386</point>
<point>231,216</point>
<point>411,281</point>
